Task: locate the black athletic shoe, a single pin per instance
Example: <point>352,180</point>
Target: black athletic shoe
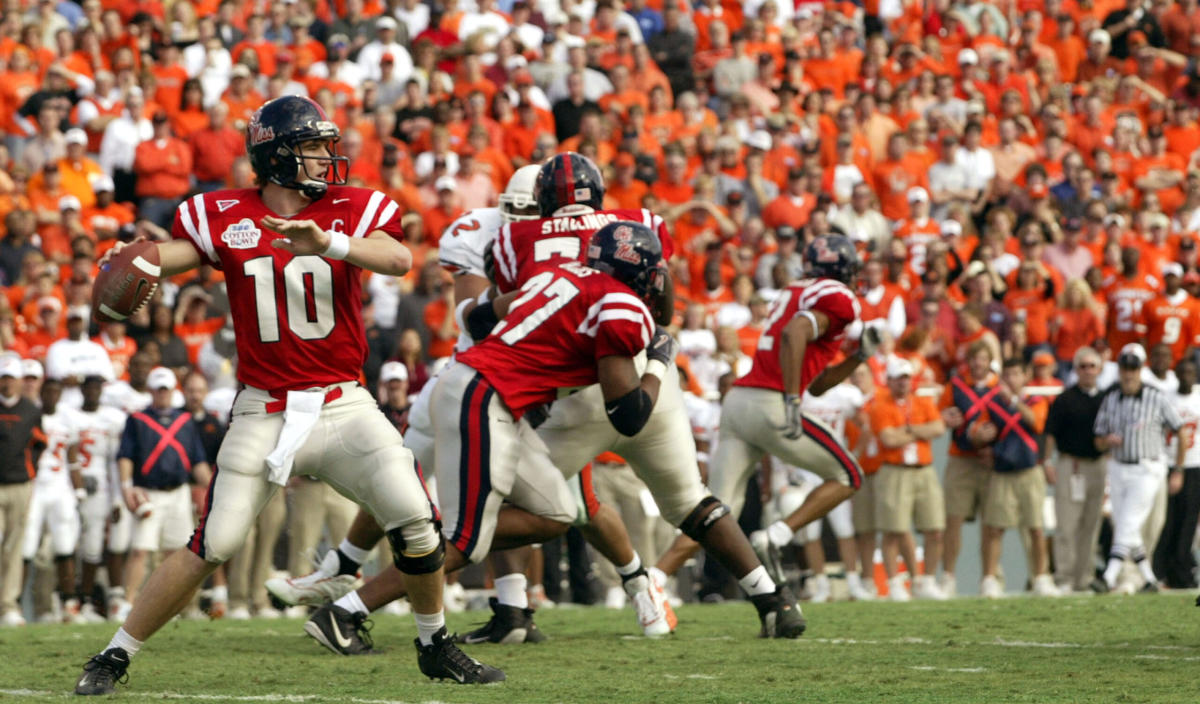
<point>103,672</point>
<point>1099,586</point>
<point>780,614</point>
<point>508,624</point>
<point>1149,588</point>
<point>339,630</point>
<point>444,661</point>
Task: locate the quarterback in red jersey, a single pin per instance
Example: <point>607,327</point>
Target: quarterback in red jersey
<point>292,252</point>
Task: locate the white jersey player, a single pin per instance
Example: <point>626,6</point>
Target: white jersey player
<point>75,357</point>
<point>790,484</point>
<point>100,430</point>
<point>53,508</point>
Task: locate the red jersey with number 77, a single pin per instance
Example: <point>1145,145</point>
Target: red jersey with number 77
<point>298,319</point>
<point>827,296</point>
<point>524,248</point>
<point>565,320</point>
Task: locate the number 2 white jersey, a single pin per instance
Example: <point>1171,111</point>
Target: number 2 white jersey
<point>835,406</point>
<point>1188,406</point>
<point>462,248</point>
<point>62,431</point>
<point>99,437</point>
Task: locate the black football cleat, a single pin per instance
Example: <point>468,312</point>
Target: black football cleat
<point>443,660</point>
<point>1100,586</point>
<point>103,672</point>
<point>508,624</point>
<point>780,614</point>
<point>339,630</point>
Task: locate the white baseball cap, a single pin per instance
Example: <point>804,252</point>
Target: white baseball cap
<point>1131,351</point>
<point>82,311</point>
<point>446,183</point>
<point>11,366</point>
<point>1100,36</point>
<point>69,202</point>
<point>758,139</point>
<point>916,193</point>
<point>968,56</point>
<point>160,378</point>
<point>1172,268</point>
<point>393,371</point>
<point>103,183</point>
<point>76,136</point>
<point>951,228</point>
<point>32,368</point>
<point>899,366</point>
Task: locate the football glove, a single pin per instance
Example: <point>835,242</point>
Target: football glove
<point>793,428</point>
<point>869,342</point>
<point>662,347</point>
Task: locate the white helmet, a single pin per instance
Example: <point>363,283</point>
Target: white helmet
<point>518,196</point>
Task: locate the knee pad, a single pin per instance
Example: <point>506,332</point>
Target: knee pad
<point>423,551</point>
<point>707,512</point>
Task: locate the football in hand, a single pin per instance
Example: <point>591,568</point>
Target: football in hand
<point>126,282</point>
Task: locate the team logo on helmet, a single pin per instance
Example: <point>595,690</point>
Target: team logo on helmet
<point>260,133</point>
<point>823,253</point>
<point>625,250</point>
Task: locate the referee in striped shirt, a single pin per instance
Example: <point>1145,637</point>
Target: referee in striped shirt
<point>1131,426</point>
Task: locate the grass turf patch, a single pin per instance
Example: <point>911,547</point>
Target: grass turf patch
<point>1079,649</point>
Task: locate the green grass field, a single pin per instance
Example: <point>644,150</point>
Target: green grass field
<point>1080,649</point>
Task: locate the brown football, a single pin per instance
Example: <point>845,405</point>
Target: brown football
<point>126,282</point>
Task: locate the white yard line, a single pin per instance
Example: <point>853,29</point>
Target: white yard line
<point>1001,642</point>
<point>931,668</point>
<point>291,698</point>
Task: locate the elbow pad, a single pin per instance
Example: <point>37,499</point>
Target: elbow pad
<point>629,413</point>
<point>481,320</point>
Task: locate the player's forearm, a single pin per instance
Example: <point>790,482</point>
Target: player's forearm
<point>125,470</point>
<point>382,255</point>
<point>929,431</point>
<point>176,257</point>
<point>791,354</point>
<point>1185,439</point>
<point>832,376</point>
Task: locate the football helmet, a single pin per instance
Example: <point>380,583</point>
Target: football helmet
<point>517,202</point>
<point>568,184</point>
<point>832,257</point>
<point>630,253</point>
<point>273,139</point>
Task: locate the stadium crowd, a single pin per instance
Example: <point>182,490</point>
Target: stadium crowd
<point>1022,181</point>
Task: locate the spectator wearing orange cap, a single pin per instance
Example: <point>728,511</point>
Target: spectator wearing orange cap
<point>624,189</point>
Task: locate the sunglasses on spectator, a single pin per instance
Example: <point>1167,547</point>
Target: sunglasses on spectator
<point>1089,365</point>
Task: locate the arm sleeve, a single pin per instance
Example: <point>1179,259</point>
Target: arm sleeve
<point>1100,427</point>
<point>838,304</point>
<point>621,325</point>
<point>382,213</point>
<point>191,225</point>
<point>1171,417</point>
<point>128,447</point>
<point>195,449</point>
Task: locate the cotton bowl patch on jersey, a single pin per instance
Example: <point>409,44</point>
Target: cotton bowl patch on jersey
<point>126,282</point>
<point>242,234</point>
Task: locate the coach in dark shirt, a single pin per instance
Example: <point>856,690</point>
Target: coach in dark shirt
<point>210,427</point>
<point>568,112</point>
<point>20,420</point>
<point>1078,474</point>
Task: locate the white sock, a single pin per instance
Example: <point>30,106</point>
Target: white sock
<point>633,566</point>
<point>1112,570</point>
<point>428,624</point>
<point>780,534</point>
<point>220,594</point>
<point>124,641</point>
<point>510,590</point>
<point>353,603</point>
<point>1147,571</point>
<point>353,552</point>
<point>757,582</point>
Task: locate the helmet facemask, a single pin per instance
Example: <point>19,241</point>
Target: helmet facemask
<point>312,174</point>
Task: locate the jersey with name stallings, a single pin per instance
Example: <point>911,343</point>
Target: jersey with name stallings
<point>827,296</point>
<point>298,319</point>
<point>565,319</point>
<point>527,247</point>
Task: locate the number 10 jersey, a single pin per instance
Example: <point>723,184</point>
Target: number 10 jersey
<point>298,319</point>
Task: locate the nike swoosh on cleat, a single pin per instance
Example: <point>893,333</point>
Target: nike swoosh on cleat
<point>473,640</point>
<point>342,641</point>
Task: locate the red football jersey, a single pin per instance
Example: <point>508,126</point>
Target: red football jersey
<point>566,319</point>
<point>298,320</point>
<point>524,248</point>
<point>827,296</point>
